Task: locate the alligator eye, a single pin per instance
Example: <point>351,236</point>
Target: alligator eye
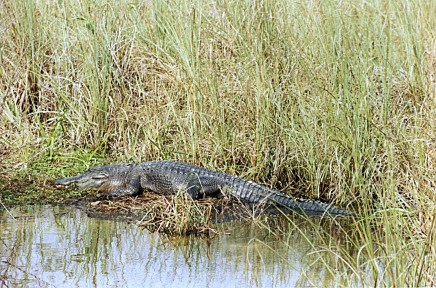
<point>94,168</point>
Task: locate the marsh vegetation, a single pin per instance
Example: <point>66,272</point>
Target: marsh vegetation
<point>333,100</point>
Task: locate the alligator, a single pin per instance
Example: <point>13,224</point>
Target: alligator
<point>170,177</point>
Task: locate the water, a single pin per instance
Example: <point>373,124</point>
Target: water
<point>48,246</point>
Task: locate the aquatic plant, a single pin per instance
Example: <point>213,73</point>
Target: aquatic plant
<point>321,99</point>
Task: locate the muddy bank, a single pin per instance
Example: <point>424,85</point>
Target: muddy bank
<point>171,214</point>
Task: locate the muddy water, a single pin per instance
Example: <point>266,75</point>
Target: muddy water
<point>62,247</point>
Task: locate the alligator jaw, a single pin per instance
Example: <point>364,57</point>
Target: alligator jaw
<point>68,181</point>
<point>86,180</point>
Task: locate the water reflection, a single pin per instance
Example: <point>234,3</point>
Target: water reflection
<point>51,246</point>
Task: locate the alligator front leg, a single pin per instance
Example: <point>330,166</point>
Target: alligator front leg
<point>121,191</point>
<point>125,187</point>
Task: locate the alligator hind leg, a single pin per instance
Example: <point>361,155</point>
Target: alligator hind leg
<point>202,185</point>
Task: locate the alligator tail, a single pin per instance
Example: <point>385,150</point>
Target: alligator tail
<point>309,207</point>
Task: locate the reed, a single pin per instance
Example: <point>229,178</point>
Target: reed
<point>324,99</point>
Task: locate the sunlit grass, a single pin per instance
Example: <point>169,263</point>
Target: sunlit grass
<point>178,215</point>
<point>325,99</point>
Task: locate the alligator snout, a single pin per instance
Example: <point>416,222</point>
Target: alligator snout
<point>68,181</point>
<point>86,180</point>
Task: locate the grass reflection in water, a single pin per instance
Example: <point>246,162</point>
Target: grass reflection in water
<point>51,246</point>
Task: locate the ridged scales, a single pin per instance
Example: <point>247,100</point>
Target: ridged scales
<point>245,190</point>
<point>169,177</point>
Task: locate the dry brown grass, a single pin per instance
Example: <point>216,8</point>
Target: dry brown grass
<point>333,100</point>
<point>171,214</point>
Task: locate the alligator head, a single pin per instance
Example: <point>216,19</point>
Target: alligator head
<point>102,178</point>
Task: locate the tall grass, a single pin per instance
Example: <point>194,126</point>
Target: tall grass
<point>328,99</point>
